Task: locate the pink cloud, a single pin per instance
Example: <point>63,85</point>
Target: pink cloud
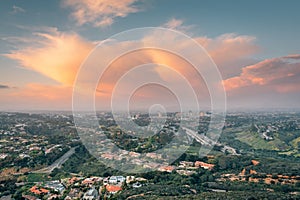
<point>281,74</point>
<point>100,13</point>
<point>56,55</point>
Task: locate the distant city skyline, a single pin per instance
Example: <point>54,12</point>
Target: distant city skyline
<point>255,46</point>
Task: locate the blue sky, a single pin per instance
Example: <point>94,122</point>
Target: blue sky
<point>274,23</point>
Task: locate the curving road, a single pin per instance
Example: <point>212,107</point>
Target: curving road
<point>58,163</point>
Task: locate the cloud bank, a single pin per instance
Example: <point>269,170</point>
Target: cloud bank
<point>58,55</point>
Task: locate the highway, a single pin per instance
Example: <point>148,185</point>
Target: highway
<point>58,163</point>
<point>199,138</point>
<point>202,139</point>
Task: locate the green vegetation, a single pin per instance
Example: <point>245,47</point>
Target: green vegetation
<point>241,195</point>
<point>257,142</point>
<point>35,177</point>
<point>271,139</point>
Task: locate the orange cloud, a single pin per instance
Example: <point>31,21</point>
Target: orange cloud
<point>152,73</point>
<point>281,73</point>
<point>100,13</point>
<point>58,55</point>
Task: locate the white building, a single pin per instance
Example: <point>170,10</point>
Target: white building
<point>116,180</point>
<point>91,194</point>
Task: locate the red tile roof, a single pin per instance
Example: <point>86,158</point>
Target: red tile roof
<point>255,162</point>
<point>35,190</point>
<point>113,188</point>
<point>204,165</point>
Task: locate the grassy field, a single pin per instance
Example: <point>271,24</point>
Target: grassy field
<point>37,177</point>
<point>257,142</point>
<point>295,142</point>
<point>294,145</point>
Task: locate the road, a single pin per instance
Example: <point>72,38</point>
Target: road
<point>58,163</point>
<point>202,139</point>
<point>199,138</point>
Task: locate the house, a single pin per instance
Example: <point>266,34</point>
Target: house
<point>185,172</point>
<point>51,148</point>
<point>153,155</point>
<point>137,161</point>
<point>130,179</point>
<point>73,194</point>
<point>22,155</point>
<point>113,180</point>
<point>116,180</point>
<point>55,185</point>
<point>72,180</point>
<point>184,164</point>
<point>107,156</point>
<point>166,169</point>
<point>134,154</point>
<point>254,162</point>
<point>243,172</point>
<point>88,181</point>
<point>37,191</point>
<point>35,148</point>
<point>45,191</point>
<point>112,189</point>
<point>3,155</point>
<point>91,194</point>
<point>121,179</point>
<point>204,165</point>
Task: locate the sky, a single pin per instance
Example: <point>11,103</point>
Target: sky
<point>254,44</point>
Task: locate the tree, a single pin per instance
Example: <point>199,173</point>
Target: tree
<point>124,185</point>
